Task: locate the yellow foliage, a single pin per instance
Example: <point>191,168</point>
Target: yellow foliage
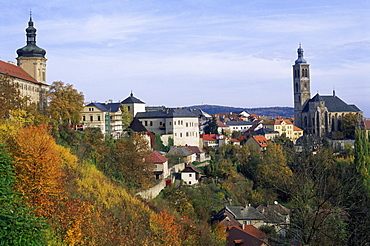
<point>21,117</point>
<point>94,185</point>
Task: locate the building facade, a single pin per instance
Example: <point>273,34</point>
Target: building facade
<point>178,123</point>
<point>320,115</point>
<point>30,72</point>
<point>108,115</point>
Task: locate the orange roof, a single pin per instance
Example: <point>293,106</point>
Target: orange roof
<point>261,140</point>
<point>296,128</point>
<point>155,157</point>
<point>254,231</point>
<point>278,121</point>
<point>15,71</point>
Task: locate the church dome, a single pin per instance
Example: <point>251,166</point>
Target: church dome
<point>31,49</point>
<point>300,59</point>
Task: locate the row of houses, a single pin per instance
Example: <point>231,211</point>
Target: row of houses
<point>184,126</point>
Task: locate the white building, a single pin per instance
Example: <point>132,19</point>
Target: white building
<point>241,126</point>
<point>178,123</point>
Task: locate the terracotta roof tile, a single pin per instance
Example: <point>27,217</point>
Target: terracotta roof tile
<point>155,157</point>
<point>15,71</point>
<point>261,140</point>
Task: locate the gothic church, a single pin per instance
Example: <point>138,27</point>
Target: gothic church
<point>321,115</point>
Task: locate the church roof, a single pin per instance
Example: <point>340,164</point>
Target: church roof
<point>333,104</point>
<point>300,59</point>
<point>31,49</point>
<point>15,71</point>
<point>131,99</point>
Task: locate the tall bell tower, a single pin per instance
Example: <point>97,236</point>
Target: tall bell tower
<point>31,58</point>
<point>301,86</point>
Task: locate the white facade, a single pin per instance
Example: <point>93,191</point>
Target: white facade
<point>179,123</point>
<point>189,178</point>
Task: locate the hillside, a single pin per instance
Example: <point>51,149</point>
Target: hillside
<point>269,111</point>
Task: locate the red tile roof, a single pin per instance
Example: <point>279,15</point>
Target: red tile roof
<point>155,157</point>
<point>261,140</point>
<point>296,128</point>
<point>15,71</point>
<point>254,231</point>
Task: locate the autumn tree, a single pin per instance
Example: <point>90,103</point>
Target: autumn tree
<point>273,170</point>
<point>18,226</point>
<point>10,97</point>
<point>37,165</point>
<point>349,123</point>
<point>130,162</point>
<point>317,192</point>
<point>65,103</point>
<point>166,229</point>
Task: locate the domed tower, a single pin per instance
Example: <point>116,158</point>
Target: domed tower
<point>301,86</point>
<point>31,58</point>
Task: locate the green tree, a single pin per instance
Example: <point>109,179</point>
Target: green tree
<point>65,103</point>
<point>18,226</point>
<point>211,127</point>
<point>126,116</point>
<point>362,157</point>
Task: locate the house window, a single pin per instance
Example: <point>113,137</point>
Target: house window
<point>189,182</point>
<point>160,123</point>
<point>91,118</point>
<point>83,118</point>
<point>128,107</point>
<point>247,222</point>
<point>187,124</point>
<point>98,117</point>
<point>180,134</point>
<point>187,134</point>
<point>146,123</point>
<point>189,175</point>
<point>151,123</point>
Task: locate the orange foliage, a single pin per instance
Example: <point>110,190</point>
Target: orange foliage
<point>39,176</point>
<point>165,227</point>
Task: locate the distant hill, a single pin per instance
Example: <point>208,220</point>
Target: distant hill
<point>268,111</point>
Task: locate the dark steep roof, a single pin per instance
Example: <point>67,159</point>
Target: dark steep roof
<point>131,99</point>
<point>137,126</point>
<point>167,113</point>
<point>333,104</point>
<point>106,107</point>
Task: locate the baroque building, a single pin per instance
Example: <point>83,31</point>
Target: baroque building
<point>30,72</point>
<point>321,115</point>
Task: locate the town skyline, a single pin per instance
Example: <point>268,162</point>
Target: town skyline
<point>187,53</point>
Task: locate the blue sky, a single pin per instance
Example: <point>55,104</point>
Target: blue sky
<point>181,53</point>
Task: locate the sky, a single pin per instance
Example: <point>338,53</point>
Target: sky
<point>189,52</point>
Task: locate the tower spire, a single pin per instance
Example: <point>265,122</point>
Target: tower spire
<point>300,55</point>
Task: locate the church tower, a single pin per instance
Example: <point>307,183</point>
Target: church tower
<point>31,58</point>
<point>301,86</point>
